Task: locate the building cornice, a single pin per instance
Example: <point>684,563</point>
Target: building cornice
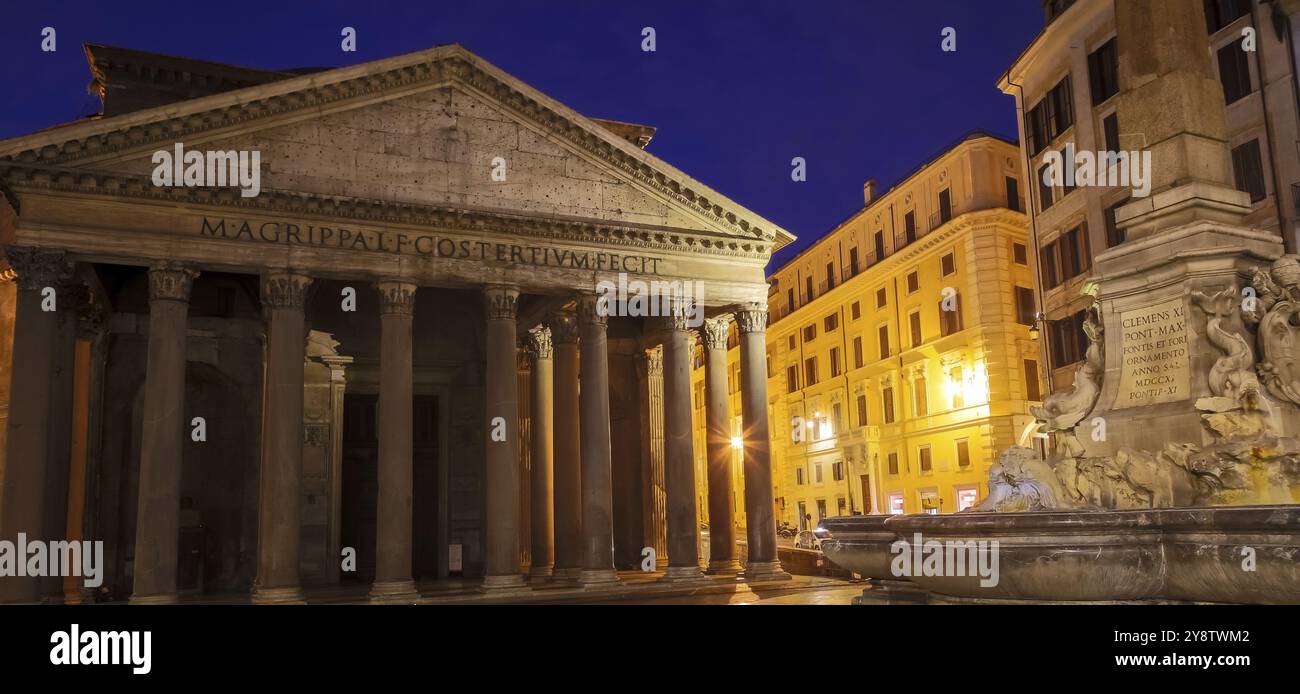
<point>1056,31</point>
<point>963,147</point>
<point>235,111</point>
<point>910,253</point>
<point>365,211</point>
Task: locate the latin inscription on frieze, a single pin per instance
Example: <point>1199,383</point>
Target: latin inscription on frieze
<point>432,245</point>
<point>1153,347</point>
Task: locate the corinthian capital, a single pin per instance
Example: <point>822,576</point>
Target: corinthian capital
<point>396,298</point>
<point>285,290</point>
<point>673,323</point>
<point>37,268</point>
<point>716,331</point>
<point>92,318</point>
<point>593,310</point>
<point>501,301</point>
<point>170,281</point>
<point>654,360</point>
<point>564,327</point>
<point>539,342</point>
<point>752,317</point>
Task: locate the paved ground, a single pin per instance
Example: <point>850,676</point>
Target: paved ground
<point>637,589</point>
<point>834,593</point>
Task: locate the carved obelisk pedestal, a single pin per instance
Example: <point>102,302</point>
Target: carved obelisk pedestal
<point>1187,244</point>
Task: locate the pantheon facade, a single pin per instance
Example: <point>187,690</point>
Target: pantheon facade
<point>386,361</point>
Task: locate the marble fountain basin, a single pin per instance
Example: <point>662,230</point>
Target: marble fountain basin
<point>1233,554</point>
<point>859,544</point>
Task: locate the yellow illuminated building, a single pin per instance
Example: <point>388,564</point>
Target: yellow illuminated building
<point>900,356</point>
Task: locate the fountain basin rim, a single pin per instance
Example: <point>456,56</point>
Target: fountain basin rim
<point>1270,518</point>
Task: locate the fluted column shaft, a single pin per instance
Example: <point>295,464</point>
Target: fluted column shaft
<point>502,441</point>
<point>541,409</point>
<point>722,510</point>
<point>157,521</point>
<point>393,543</point>
<point>567,473</point>
<point>679,454</point>
<point>760,517</point>
<point>597,482</point>
<point>657,502</point>
<point>278,524</point>
<point>27,454</point>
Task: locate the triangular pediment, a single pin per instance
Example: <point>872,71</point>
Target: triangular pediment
<point>439,128</point>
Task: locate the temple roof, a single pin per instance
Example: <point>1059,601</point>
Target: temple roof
<point>154,100</point>
<point>128,80</point>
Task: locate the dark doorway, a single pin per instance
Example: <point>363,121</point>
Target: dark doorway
<point>219,474</point>
<point>361,484</point>
<point>424,498</point>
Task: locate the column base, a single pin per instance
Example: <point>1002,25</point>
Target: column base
<point>540,572</point>
<point>724,567</point>
<point>167,599</point>
<point>684,574</point>
<point>599,578</point>
<point>77,597</point>
<point>17,594</point>
<point>762,571</point>
<point>292,595</point>
<point>393,593</point>
<point>507,583</point>
<point>566,574</point>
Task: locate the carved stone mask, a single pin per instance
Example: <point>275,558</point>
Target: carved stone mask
<point>1286,271</point>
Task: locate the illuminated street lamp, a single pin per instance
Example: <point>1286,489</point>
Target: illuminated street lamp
<point>1039,319</point>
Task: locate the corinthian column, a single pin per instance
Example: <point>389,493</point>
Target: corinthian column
<point>722,511</point>
<point>393,542</point>
<point>656,499</point>
<point>760,517</point>
<point>543,438</point>
<point>679,454</point>
<point>502,419</point>
<point>278,525</point>
<point>70,296</point>
<point>597,484</point>
<point>157,521</point>
<point>27,454</point>
<point>568,447</point>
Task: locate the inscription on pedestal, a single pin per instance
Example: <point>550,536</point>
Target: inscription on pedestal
<point>1155,367</point>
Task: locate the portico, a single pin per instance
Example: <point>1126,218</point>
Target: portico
<point>349,340</point>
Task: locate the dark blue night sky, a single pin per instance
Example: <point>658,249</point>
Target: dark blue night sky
<point>857,88</point>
